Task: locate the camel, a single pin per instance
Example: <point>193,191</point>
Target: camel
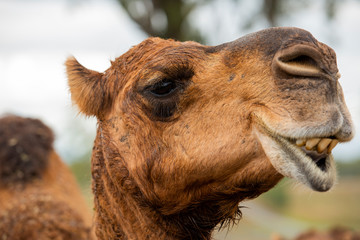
<point>185,132</point>
<point>39,197</point>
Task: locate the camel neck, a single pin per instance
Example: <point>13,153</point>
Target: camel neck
<point>127,209</point>
<point>122,212</point>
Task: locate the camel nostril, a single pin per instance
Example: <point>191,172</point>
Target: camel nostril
<point>302,60</point>
<point>298,60</point>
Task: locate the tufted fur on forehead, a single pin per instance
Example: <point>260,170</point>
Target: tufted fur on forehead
<point>94,92</point>
<point>25,145</point>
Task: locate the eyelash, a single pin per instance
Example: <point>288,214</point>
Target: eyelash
<point>163,95</point>
<point>164,88</point>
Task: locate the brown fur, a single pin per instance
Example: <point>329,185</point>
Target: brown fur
<point>39,197</point>
<point>25,145</point>
<point>177,144</point>
<point>336,233</point>
<point>38,218</point>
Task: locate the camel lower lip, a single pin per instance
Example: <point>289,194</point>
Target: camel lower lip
<point>318,158</point>
<point>309,167</point>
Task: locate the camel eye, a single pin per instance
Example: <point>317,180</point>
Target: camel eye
<point>163,88</point>
<point>163,97</point>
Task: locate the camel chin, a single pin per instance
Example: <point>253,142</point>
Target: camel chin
<point>307,160</point>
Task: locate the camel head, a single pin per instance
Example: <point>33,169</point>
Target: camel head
<point>186,124</point>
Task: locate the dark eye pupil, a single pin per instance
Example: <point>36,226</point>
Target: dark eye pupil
<point>163,88</point>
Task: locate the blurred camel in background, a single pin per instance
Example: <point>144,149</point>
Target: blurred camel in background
<point>336,233</point>
<point>39,197</point>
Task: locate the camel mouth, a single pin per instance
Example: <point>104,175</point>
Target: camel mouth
<point>307,160</point>
<point>318,149</point>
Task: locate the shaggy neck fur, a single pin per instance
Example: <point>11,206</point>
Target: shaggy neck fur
<point>123,212</point>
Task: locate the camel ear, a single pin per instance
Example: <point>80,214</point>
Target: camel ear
<point>85,87</point>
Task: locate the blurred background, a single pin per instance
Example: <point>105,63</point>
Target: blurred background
<point>36,36</point>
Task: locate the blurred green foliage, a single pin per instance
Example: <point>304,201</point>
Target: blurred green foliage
<point>277,197</point>
<point>172,19</point>
<point>349,169</point>
<point>164,18</point>
<point>81,168</point>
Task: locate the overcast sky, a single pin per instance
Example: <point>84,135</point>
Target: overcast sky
<point>36,36</point>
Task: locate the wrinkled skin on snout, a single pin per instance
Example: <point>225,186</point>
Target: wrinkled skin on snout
<point>182,125</point>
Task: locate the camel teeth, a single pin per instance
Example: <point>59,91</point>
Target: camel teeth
<point>323,144</point>
<point>311,143</point>
<point>300,142</point>
<point>318,144</point>
<point>333,143</point>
